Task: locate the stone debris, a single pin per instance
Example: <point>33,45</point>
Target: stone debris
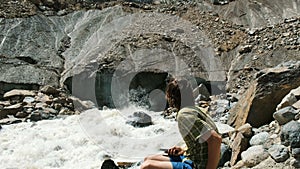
<point>47,103</point>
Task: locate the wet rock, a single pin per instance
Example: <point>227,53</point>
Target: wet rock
<point>81,105</point>
<point>139,119</point>
<point>270,86</point>
<point>290,134</point>
<point>259,139</point>
<point>285,115</point>
<point>35,116</point>
<point>279,153</point>
<point>254,155</point>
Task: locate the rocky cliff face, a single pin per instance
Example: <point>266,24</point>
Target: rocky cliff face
<point>195,37</point>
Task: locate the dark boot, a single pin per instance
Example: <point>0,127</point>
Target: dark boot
<point>109,164</point>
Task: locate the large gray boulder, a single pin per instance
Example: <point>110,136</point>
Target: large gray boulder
<point>259,102</point>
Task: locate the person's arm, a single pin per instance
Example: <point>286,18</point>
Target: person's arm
<point>214,150</point>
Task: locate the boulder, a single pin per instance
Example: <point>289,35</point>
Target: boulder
<point>279,153</point>
<point>49,90</point>
<point>81,105</point>
<point>289,99</point>
<point>18,92</point>
<point>259,139</point>
<point>254,155</point>
<point>285,115</point>
<point>139,119</point>
<point>290,134</point>
<point>259,102</point>
<point>239,144</point>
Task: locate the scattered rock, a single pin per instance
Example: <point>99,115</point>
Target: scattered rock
<point>139,119</point>
<point>254,155</point>
<point>285,115</point>
<point>259,139</point>
<point>279,153</point>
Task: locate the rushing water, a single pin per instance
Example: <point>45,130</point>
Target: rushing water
<point>84,141</point>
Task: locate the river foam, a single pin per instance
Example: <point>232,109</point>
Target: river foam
<point>84,141</point>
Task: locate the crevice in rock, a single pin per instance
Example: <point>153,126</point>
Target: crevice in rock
<point>27,59</point>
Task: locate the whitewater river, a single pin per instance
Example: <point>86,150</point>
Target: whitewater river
<point>84,141</point>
